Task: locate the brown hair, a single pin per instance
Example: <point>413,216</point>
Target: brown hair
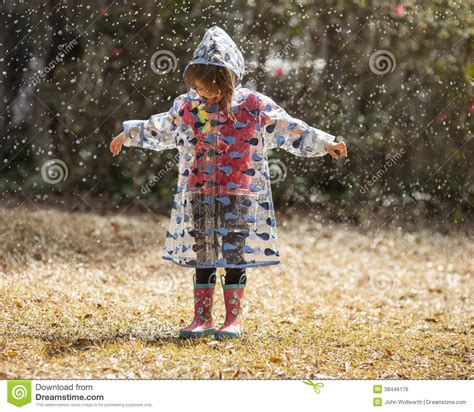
<point>216,79</point>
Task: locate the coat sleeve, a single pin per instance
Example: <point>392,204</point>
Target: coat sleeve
<point>293,135</point>
<point>159,132</point>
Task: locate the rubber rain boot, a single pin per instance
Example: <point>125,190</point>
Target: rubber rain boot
<point>233,298</point>
<point>202,324</point>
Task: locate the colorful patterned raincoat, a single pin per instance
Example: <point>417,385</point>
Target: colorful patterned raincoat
<point>222,214</point>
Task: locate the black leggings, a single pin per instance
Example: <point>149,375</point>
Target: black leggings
<point>232,276</point>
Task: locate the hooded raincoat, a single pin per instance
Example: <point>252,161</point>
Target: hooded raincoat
<point>222,213</point>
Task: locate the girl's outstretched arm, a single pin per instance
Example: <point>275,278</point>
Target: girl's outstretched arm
<point>159,132</point>
<point>294,135</point>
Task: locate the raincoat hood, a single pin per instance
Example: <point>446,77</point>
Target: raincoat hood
<point>218,48</point>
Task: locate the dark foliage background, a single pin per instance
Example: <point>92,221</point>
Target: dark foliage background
<point>313,58</point>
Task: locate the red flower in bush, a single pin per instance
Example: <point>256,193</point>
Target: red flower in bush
<point>400,10</point>
<point>117,52</point>
<point>279,72</point>
<point>442,116</point>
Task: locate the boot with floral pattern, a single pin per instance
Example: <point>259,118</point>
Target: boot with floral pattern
<point>202,324</point>
<point>233,297</point>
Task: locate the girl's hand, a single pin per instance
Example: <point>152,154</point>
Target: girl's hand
<point>116,144</point>
<point>332,147</point>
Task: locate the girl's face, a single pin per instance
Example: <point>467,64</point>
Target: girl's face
<point>203,92</point>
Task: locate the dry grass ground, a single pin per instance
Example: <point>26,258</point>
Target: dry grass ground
<point>85,296</point>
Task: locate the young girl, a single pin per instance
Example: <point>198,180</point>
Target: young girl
<point>222,214</point>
